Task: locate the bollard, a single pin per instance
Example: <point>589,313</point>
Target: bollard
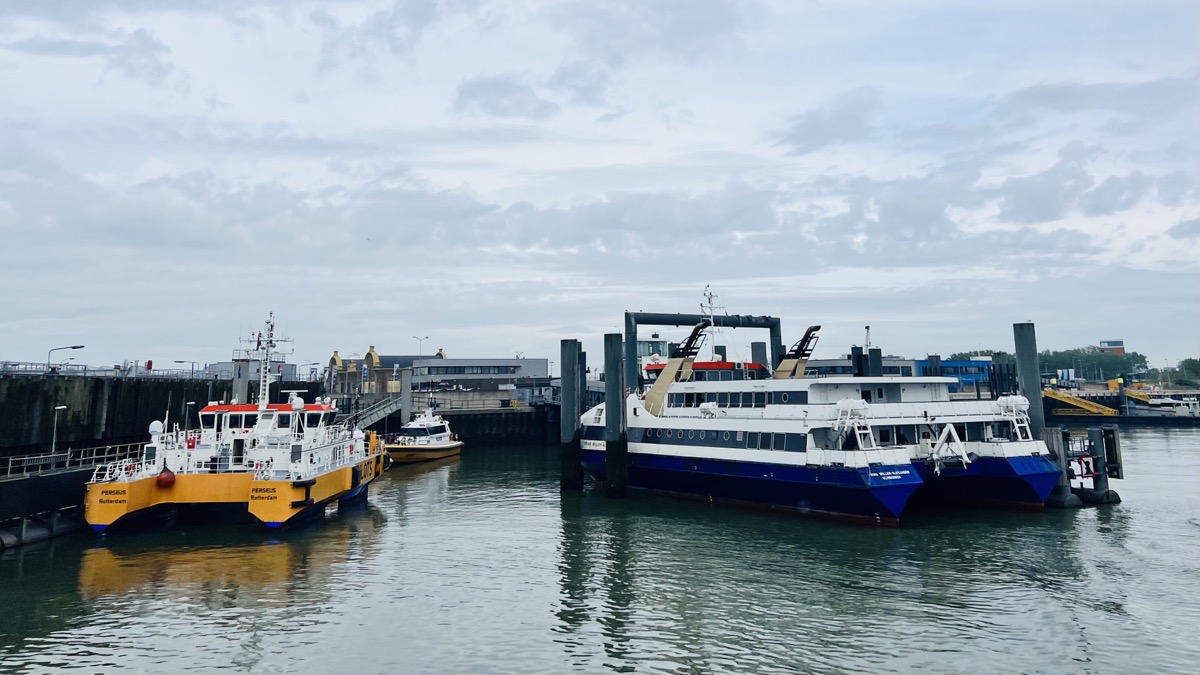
<point>571,456</point>
<point>616,446</point>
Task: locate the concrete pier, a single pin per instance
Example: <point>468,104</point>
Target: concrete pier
<point>616,444</point>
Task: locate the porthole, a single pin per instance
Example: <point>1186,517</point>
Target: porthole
<point>691,433</point>
<point>658,433</point>
<point>726,435</point>
<point>784,397</point>
<point>701,435</point>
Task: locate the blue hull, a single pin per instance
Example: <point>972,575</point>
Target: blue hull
<point>1022,482</point>
<point>878,495</point>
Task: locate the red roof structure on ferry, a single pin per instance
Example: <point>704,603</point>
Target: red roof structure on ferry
<point>711,365</point>
<point>252,408</point>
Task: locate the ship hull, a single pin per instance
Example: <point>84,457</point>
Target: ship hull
<point>411,454</point>
<point>272,502</point>
<point>1012,482</point>
<point>876,495</point>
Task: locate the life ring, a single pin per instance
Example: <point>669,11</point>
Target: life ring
<point>130,469</point>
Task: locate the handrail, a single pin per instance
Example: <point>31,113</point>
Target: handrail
<point>68,459</point>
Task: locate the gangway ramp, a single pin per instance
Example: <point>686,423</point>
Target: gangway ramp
<point>1138,395</point>
<point>1082,405</point>
<point>379,410</point>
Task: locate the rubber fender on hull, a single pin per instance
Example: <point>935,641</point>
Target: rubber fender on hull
<point>300,503</point>
<point>304,483</point>
<point>355,477</point>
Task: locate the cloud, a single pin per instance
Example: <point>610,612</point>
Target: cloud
<point>847,119</point>
<point>1116,193</point>
<point>1048,194</point>
<point>624,31</point>
<point>585,82</point>
<point>1187,229</point>
<point>393,31</point>
<point>138,56</point>
<point>1147,98</point>
<point>505,96</point>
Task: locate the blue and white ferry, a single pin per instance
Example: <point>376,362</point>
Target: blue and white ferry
<point>846,447</point>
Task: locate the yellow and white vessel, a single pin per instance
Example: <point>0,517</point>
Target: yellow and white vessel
<point>277,462</point>
<point>425,438</point>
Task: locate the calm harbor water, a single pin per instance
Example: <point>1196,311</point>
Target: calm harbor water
<point>480,565</point>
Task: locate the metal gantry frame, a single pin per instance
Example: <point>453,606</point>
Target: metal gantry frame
<point>635,319</point>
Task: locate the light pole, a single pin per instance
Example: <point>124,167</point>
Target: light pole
<point>187,417</point>
<point>193,375</point>
<point>56,349</point>
<point>420,353</point>
<point>54,437</point>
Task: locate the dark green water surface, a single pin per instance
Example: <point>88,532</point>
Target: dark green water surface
<point>481,565</point>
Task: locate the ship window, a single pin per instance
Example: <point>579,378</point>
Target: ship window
<point>760,399</point>
<point>752,439</point>
<point>879,393</point>
<point>206,421</point>
<point>658,433</point>
<point>235,421</point>
<point>440,429</point>
<point>783,397</point>
<point>885,435</point>
<point>764,441</point>
<point>314,419</point>
<point>285,420</point>
<point>250,420</point>
<point>777,443</point>
<point>691,433</point>
<point>701,435</point>
<point>866,395</point>
<point>726,435</point>
<point>795,442</point>
<point>723,400</point>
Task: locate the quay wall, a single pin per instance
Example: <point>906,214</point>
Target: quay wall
<point>100,410</point>
<point>523,425</point>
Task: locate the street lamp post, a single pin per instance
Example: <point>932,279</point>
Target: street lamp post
<point>187,417</point>
<point>305,365</point>
<point>193,375</point>
<point>56,349</point>
<point>54,437</point>
<point>420,353</point>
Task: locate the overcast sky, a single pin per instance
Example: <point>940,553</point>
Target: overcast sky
<point>502,175</point>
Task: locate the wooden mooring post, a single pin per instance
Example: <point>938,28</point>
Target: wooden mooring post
<point>571,455</point>
<point>616,445</point>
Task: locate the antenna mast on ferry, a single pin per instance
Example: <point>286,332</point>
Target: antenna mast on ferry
<point>264,343</point>
<point>708,309</point>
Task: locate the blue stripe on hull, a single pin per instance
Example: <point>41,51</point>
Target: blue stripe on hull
<point>859,494</point>
<point>1014,481</point>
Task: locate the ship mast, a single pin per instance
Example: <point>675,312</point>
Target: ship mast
<point>265,345</point>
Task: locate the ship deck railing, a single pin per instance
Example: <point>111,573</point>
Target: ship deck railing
<point>63,460</point>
